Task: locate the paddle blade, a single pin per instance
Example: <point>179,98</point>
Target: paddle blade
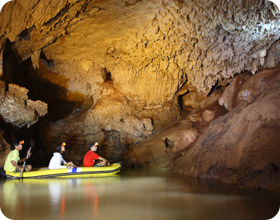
<point>31,143</point>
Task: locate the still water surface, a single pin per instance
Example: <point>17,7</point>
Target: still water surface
<point>134,195</point>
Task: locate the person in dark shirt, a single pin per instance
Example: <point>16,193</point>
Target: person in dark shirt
<point>91,157</point>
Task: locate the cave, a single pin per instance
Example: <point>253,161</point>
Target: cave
<point>186,83</point>
<point>191,86</point>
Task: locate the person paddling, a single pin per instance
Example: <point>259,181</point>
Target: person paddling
<point>90,157</point>
<point>57,160</point>
<point>13,160</point>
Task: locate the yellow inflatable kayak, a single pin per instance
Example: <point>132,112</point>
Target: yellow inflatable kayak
<point>76,172</point>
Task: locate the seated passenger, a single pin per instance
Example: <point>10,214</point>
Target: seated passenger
<point>91,156</point>
<point>13,159</point>
<point>57,160</point>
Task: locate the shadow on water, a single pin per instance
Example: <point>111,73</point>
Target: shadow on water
<point>134,194</point>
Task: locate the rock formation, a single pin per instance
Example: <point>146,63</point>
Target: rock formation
<point>121,72</point>
<point>4,149</point>
<point>17,109</point>
<point>241,146</point>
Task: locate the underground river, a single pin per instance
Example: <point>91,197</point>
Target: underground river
<point>134,195</point>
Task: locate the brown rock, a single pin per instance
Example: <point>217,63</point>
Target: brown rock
<point>4,149</point>
<point>208,115</point>
<point>161,149</point>
<point>17,109</point>
<point>242,146</point>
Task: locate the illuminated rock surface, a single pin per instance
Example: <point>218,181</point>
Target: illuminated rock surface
<point>17,109</point>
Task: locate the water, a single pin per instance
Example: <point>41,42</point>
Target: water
<point>134,195</point>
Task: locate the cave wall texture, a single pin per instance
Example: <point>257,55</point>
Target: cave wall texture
<point>151,80</point>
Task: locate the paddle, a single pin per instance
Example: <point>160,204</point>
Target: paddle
<point>32,143</point>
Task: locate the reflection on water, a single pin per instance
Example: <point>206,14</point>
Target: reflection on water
<point>148,194</point>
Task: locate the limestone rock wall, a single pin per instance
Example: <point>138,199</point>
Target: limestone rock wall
<point>239,146</point>
<point>243,145</point>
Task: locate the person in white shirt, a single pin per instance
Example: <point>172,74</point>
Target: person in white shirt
<point>57,160</point>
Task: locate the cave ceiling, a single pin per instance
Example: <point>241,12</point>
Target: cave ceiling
<point>170,42</point>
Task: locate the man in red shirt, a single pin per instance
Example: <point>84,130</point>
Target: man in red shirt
<point>91,156</point>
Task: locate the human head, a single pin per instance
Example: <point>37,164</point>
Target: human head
<point>17,144</point>
<point>93,144</point>
<point>60,148</point>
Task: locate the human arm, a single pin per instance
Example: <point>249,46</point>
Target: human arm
<point>24,159</point>
<point>104,162</point>
<point>16,165</point>
<point>27,156</point>
<point>70,164</point>
<point>63,161</point>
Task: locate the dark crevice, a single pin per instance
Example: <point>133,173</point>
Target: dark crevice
<point>107,75</point>
<point>180,102</point>
<point>11,59</point>
<point>168,143</point>
<point>25,34</point>
<point>49,62</point>
<point>51,42</point>
<point>59,14</point>
<point>275,167</point>
<point>83,8</point>
<point>35,4</point>
<point>215,88</point>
